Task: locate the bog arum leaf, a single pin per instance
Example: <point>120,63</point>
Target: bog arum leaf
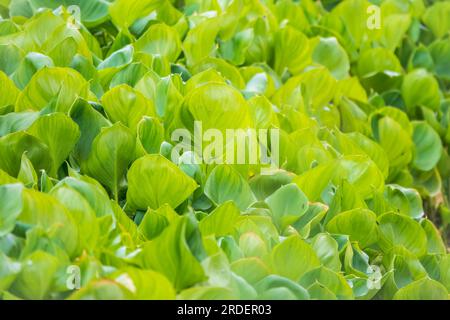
<point>225,183</point>
<point>420,88</point>
<point>326,248</point>
<point>287,204</point>
<point>6,178</point>
<point>8,271</point>
<point>155,221</point>
<point>293,257</point>
<point>27,175</point>
<point>43,210</point>
<point>424,289</point>
<point>11,199</point>
<point>150,134</point>
<point>399,232</point>
<point>434,240</point>
<point>103,290</point>
<point>160,39</point>
<point>13,145</point>
<point>170,254</point>
<point>427,146</point>
<point>59,86</point>
<point>90,123</point>
<point>292,51</point>
<point>13,121</point>
<point>125,12</point>
<point>199,41</point>
<point>220,222</point>
<point>359,224</point>
<point>251,269</point>
<point>37,276</point>
<point>145,284</point>
<point>8,91</point>
<point>30,64</point>
<point>81,211</point>
<point>217,106</point>
<point>406,201</point>
<point>252,245</point>
<point>434,18</point>
<point>118,58</point>
<point>329,279</point>
<point>135,136</point>
<point>394,139</point>
<point>378,60</point>
<point>330,54</point>
<point>153,181</point>
<point>439,50</point>
<point>124,104</point>
<point>112,151</point>
<point>52,129</point>
<point>277,287</point>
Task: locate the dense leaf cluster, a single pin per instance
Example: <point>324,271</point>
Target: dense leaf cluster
<point>90,96</point>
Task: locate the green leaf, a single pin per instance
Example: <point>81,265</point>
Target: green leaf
<point>274,287</point>
<point>145,284</point>
<point>43,210</point>
<point>153,181</point>
<point>293,251</point>
<point>439,50</point>
<point>160,39</point>
<point>401,233</point>
<point>90,123</point>
<point>59,86</point>
<point>11,199</point>
<point>329,53</point>
<point>125,12</point>
<point>329,279</point>
<point>124,104</point>
<point>206,293</point>
<point>292,51</point>
<point>434,18</point>
<point>359,224</point>
<point>326,248</point>
<point>378,60</point>
<point>421,89</point>
<point>251,269</point>
<point>13,145</point>
<point>424,289</point>
<point>81,211</point>
<point>200,40</point>
<point>155,221</point>
<point>217,106</point>
<point>27,175</point>
<point>434,239</point>
<point>117,59</point>
<point>9,269</point>
<point>8,91</point>
<point>406,201</point>
<point>29,65</point>
<point>225,183</point>
<point>221,221</point>
<point>174,257</point>
<point>150,134</point>
<point>37,276</point>
<point>53,129</point>
<point>394,139</point>
<point>112,151</point>
<point>103,290</point>
<point>287,204</point>
<point>16,121</point>
<point>427,146</point>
